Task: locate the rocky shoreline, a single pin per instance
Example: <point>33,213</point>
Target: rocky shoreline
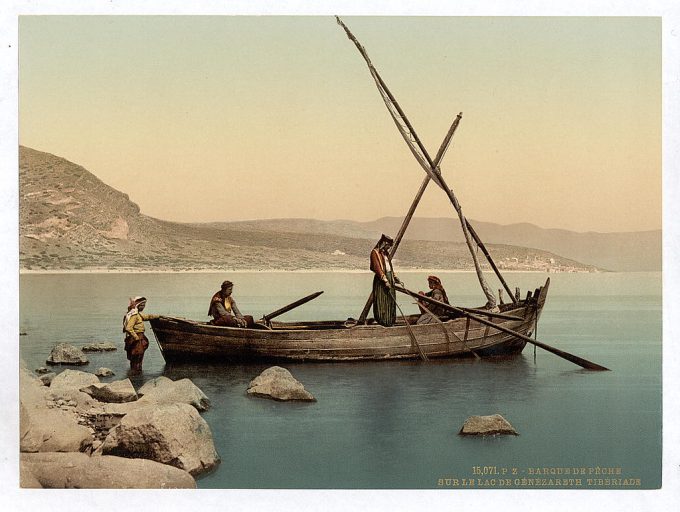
<point>81,433</point>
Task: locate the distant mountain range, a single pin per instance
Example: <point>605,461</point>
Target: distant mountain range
<point>627,251</point>
<point>69,219</point>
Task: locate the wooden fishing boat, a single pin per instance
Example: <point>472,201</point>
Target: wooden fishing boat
<point>186,340</point>
<point>495,330</point>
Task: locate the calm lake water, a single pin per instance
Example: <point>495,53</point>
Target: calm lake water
<point>390,425</point>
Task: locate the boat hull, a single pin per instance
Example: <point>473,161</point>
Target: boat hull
<point>186,341</point>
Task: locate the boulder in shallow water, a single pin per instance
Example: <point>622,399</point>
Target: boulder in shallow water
<point>42,370</point>
<point>279,384</point>
<point>170,434</point>
<point>117,391</point>
<point>162,390</point>
<point>104,372</point>
<point>80,471</point>
<point>65,353</point>
<point>102,346</point>
<point>487,426</point>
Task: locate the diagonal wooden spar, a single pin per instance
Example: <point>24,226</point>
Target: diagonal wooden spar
<point>409,215</point>
<point>420,153</point>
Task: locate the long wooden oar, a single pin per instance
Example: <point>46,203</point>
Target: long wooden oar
<point>292,305</point>
<point>412,334</point>
<point>584,363</point>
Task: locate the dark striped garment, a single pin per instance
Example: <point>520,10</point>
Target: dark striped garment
<point>384,304</point>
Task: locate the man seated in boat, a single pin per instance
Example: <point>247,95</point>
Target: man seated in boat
<point>430,313</point>
<point>224,311</point>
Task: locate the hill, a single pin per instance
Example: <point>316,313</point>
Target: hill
<point>626,251</point>
<point>69,219</point>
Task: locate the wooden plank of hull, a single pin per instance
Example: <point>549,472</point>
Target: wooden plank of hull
<point>186,340</point>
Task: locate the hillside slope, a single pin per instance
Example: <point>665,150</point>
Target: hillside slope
<point>69,219</point>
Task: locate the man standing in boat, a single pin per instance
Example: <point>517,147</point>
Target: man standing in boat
<point>224,311</point>
<point>384,300</point>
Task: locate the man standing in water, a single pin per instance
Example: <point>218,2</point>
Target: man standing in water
<point>384,301</point>
<point>224,311</point>
<point>136,341</point>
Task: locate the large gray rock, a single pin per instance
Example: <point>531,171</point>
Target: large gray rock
<point>117,391</point>
<point>279,384</point>
<point>154,384</point>
<point>171,434</point>
<point>66,386</point>
<point>46,429</point>
<point>65,353</point>
<point>102,346</point>
<point>487,426</point>
<point>162,390</point>
<point>73,380</point>
<point>78,470</point>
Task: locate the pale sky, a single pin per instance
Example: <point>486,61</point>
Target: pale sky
<point>230,118</point>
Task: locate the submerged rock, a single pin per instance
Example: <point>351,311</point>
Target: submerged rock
<point>42,370</point>
<point>279,384</point>
<point>104,372</point>
<point>162,390</point>
<point>65,353</point>
<point>171,434</point>
<point>117,391</point>
<point>102,346</point>
<point>487,426</point>
<point>80,471</point>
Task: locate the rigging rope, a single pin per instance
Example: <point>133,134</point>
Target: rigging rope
<point>415,146</point>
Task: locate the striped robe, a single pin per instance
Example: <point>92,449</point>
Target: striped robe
<point>384,301</point>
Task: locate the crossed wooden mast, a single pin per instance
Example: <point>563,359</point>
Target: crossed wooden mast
<point>433,173</point>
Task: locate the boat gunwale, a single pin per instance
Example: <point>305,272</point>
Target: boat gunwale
<point>226,330</point>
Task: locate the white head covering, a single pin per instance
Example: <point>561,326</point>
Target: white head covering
<point>133,304</point>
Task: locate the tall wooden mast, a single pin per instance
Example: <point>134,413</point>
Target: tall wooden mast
<point>431,168</point>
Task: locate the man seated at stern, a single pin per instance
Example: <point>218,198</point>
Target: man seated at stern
<point>224,311</point>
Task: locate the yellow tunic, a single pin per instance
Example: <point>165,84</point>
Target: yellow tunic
<point>135,324</point>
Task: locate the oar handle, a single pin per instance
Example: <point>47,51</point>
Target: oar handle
<point>290,306</point>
